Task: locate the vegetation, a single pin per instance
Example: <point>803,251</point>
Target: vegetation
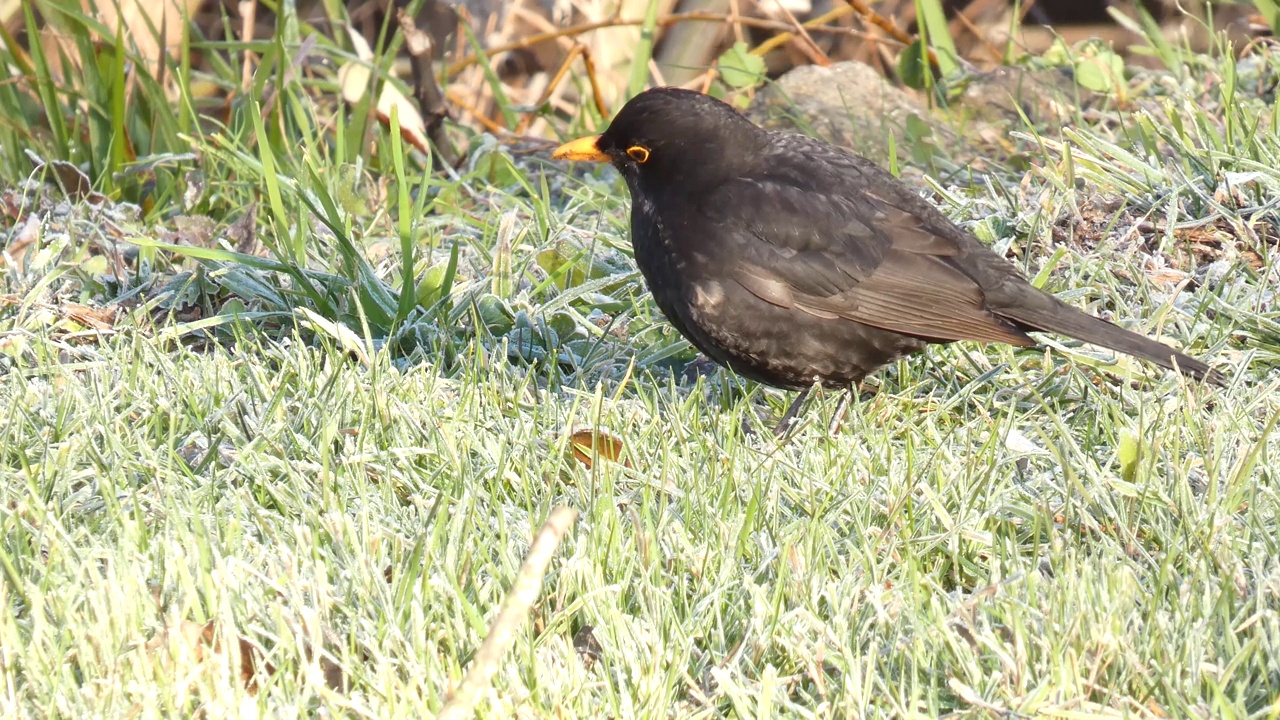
<point>282,408</point>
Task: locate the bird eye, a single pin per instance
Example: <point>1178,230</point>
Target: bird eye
<point>639,153</point>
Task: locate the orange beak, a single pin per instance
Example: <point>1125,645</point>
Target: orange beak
<point>583,149</point>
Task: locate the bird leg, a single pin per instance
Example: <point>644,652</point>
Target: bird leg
<point>842,407</point>
<point>790,415</point>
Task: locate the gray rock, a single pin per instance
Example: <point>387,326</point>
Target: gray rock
<point>851,104</point>
<point>1047,97</point>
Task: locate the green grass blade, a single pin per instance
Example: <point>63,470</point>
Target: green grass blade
<point>509,117</point>
<point>937,35</point>
<point>46,88</point>
<point>644,51</point>
<point>404,222</point>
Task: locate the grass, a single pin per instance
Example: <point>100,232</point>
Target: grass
<point>344,484</point>
<point>987,539</point>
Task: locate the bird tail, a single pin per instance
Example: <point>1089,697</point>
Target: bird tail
<point>1056,316</point>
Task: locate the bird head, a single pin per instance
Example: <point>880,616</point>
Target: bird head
<point>668,139</point>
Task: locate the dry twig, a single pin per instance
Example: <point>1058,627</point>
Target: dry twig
<point>514,610</point>
<point>427,92</point>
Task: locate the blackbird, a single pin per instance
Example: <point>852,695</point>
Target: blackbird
<point>792,261</point>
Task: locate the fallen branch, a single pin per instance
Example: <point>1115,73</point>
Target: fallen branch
<point>515,608</point>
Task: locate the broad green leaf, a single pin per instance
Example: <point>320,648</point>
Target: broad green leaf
<point>913,66</point>
<point>739,68</point>
<point>1102,72</point>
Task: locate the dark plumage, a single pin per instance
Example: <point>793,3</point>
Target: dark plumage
<point>792,261</point>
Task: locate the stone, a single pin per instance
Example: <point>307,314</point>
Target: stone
<point>851,104</point>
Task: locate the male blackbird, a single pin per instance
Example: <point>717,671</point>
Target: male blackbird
<point>792,261</point>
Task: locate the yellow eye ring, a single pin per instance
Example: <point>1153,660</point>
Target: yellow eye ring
<point>639,153</point>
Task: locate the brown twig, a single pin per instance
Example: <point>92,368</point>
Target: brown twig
<point>703,82</point>
<point>474,112</point>
<point>808,47</point>
<point>515,608</point>
<point>736,13</point>
<point>976,7</point>
<point>248,15</point>
<point>596,95</point>
<point>708,77</point>
<point>880,21</point>
<point>655,72</point>
<point>533,18</point>
<point>578,50</point>
<point>523,126</point>
<point>426,91</point>
<point>814,25</point>
<point>888,26</point>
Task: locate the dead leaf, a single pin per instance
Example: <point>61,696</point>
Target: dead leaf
<point>589,443</point>
<point>151,27</point>
<point>74,183</point>
<point>193,230</point>
<point>194,189</point>
<point>972,697</point>
<point>190,643</point>
<point>1253,259</point>
<point>244,232</point>
<point>13,204</point>
<point>353,78</point>
<point>91,317</point>
<point>1166,277</point>
<point>20,243</point>
<point>334,677</point>
<point>588,648</point>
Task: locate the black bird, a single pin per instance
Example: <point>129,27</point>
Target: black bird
<point>792,261</point>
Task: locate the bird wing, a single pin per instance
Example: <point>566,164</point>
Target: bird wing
<point>841,242</point>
